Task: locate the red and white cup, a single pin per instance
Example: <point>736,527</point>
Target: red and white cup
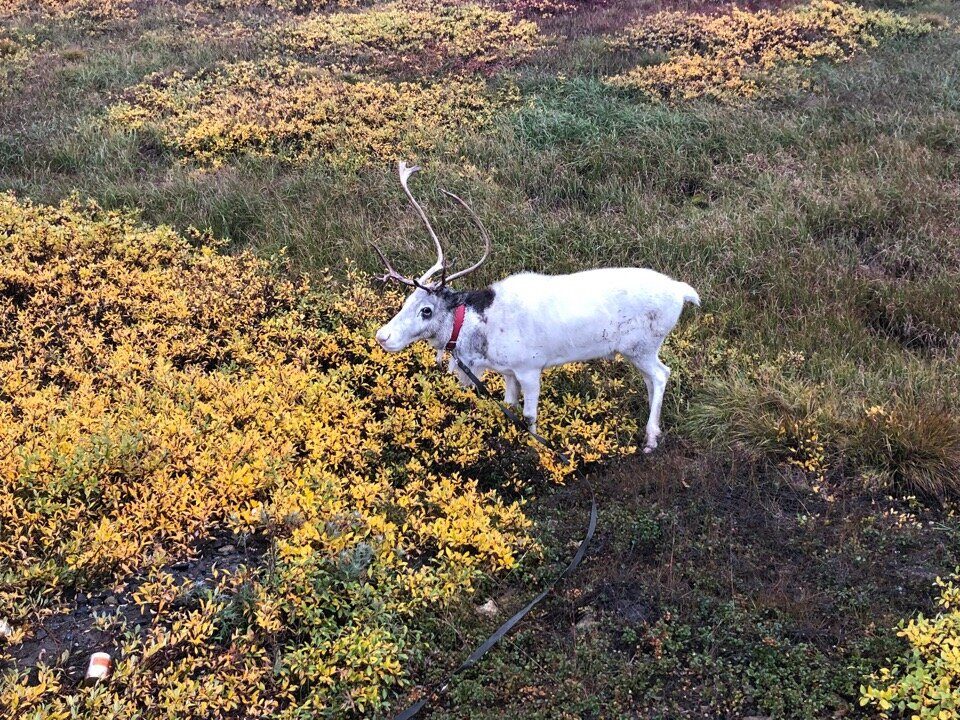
<point>99,666</point>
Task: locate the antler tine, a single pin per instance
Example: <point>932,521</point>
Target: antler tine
<point>483,231</point>
<point>391,273</point>
<point>405,173</point>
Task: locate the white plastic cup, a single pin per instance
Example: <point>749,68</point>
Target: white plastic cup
<point>99,666</point>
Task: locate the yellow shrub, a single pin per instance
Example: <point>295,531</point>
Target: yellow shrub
<point>925,684</point>
<point>125,9</point>
<point>804,448</point>
<point>154,393</point>
<point>294,5</point>
<point>98,10</point>
<point>14,57</point>
<point>318,92</point>
<point>413,35</point>
<point>745,54</point>
<point>274,107</point>
<point>541,8</point>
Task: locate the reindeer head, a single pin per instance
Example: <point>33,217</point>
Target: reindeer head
<point>426,314</point>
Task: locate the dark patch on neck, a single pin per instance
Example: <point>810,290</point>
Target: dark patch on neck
<point>476,300</point>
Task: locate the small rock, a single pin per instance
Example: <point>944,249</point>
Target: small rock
<point>227,549</point>
<point>6,630</point>
<point>488,609</point>
<point>111,600</point>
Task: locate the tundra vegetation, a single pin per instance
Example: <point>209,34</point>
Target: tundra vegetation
<point>209,468</point>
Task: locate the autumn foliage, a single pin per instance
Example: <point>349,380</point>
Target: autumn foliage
<point>155,392</point>
<point>344,87</point>
<point>744,54</point>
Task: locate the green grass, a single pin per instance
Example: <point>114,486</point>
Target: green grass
<point>822,230</point>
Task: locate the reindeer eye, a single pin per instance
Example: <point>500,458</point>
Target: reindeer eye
<point>426,313</point>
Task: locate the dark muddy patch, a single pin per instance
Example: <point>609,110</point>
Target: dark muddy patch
<point>68,637</point>
<point>675,530</point>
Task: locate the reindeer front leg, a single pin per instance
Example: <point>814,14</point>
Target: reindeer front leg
<point>512,395</point>
<point>530,385</point>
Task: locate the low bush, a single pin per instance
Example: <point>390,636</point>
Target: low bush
<point>746,54</point>
<point>275,107</point>
<point>413,36</point>
<point>155,393</point>
<point>77,10</point>
<point>924,684</point>
<point>14,57</point>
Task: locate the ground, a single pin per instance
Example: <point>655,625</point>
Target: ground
<point>711,590</point>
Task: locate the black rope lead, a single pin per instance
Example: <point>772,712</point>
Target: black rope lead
<point>506,627</point>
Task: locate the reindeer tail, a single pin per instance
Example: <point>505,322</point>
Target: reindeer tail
<point>689,294</point>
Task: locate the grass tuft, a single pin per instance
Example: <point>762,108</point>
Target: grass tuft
<point>911,444</point>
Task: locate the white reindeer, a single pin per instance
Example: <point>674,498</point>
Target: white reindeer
<point>528,322</point>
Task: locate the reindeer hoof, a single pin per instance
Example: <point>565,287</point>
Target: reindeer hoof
<point>651,442</point>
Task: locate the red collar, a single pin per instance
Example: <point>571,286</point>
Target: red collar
<point>457,324</point>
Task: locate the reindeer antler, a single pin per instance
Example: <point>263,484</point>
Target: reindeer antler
<point>405,173</point>
<point>423,282</point>
<point>393,274</point>
<point>483,231</point>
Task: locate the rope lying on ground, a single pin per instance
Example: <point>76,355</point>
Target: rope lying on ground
<point>506,627</point>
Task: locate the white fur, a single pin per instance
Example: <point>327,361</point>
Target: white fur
<point>538,321</point>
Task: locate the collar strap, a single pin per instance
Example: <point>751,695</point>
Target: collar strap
<point>458,315</point>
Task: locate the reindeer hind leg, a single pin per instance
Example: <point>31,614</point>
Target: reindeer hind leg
<point>655,376</point>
